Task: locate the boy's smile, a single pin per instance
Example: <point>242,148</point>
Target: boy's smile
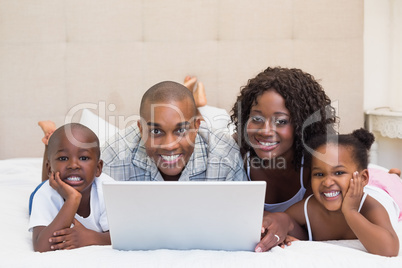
<point>169,131</point>
<point>74,181</point>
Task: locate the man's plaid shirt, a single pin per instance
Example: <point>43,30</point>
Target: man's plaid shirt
<point>216,157</point>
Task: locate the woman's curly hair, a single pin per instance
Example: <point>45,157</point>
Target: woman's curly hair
<point>310,108</point>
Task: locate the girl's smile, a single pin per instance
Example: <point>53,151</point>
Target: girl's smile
<point>331,195</point>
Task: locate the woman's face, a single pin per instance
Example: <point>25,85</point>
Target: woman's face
<point>269,129</point>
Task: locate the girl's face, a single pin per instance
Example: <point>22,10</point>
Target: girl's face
<point>332,168</point>
<point>269,128</point>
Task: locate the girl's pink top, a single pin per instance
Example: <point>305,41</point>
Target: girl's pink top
<point>390,183</point>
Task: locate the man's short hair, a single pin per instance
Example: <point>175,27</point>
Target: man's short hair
<point>165,92</point>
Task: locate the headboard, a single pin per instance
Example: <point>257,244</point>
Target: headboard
<point>59,56</point>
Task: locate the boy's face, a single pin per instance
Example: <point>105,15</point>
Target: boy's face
<point>78,165</point>
<point>169,131</point>
<point>331,173</point>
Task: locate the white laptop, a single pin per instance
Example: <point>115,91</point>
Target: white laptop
<point>185,215</point>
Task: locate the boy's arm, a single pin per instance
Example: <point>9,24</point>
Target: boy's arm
<point>41,236</point>
<point>371,225</point>
<point>79,236</point>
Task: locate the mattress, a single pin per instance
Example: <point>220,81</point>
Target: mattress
<point>19,176</point>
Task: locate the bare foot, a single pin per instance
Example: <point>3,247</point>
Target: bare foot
<point>197,89</point>
<point>189,82</point>
<point>396,171</point>
<point>48,127</point>
<point>199,95</point>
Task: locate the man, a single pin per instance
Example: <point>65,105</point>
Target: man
<point>171,143</point>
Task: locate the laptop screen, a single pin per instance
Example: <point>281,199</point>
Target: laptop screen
<point>185,215</point>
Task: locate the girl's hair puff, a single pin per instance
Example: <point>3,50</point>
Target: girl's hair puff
<point>359,141</point>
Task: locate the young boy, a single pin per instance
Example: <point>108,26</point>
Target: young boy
<point>72,195</point>
<point>171,143</point>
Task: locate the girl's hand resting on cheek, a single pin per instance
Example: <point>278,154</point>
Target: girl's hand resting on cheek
<point>354,194</point>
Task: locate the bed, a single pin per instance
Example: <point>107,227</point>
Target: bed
<point>19,176</point>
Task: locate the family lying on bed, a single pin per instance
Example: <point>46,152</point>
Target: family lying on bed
<point>170,142</point>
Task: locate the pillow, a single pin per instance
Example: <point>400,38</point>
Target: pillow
<point>371,165</point>
<point>217,118</point>
<point>103,129</point>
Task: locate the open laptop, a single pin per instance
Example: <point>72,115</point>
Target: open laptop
<point>185,215</point>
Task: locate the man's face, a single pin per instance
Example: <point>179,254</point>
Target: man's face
<point>169,131</point>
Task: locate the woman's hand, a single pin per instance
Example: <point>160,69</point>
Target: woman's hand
<point>288,241</point>
<point>274,231</point>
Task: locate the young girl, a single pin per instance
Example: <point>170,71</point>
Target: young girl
<point>274,115</point>
<point>342,206</point>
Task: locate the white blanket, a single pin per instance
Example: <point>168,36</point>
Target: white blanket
<point>18,178</point>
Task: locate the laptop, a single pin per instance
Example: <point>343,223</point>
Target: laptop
<point>185,215</point>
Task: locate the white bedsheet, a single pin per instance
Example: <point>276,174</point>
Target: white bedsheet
<point>18,178</point>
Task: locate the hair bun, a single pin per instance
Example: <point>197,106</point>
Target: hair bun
<point>364,136</point>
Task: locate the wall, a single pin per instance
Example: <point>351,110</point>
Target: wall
<point>57,54</point>
<point>383,68</point>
